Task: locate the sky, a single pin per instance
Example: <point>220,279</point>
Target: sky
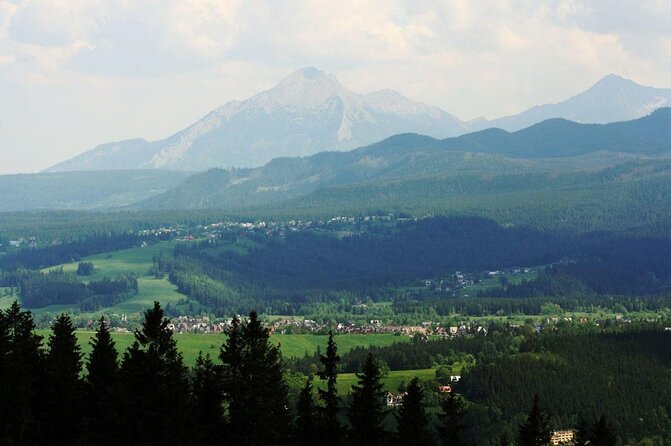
<point>78,73</point>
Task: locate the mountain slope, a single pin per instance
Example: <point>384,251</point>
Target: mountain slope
<point>611,99</point>
<point>83,190</point>
<point>551,146</point>
<point>650,135</point>
<point>306,113</point>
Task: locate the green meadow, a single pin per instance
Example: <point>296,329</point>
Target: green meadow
<point>292,345</point>
<point>134,260</point>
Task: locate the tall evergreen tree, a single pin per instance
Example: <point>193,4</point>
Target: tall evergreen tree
<point>536,430</point>
<point>306,416</point>
<point>583,434</point>
<point>504,440</point>
<point>102,387</point>
<point>412,420</point>
<point>603,433</point>
<point>21,373</point>
<point>367,411</point>
<point>329,425</point>
<point>64,387</point>
<point>154,379</point>
<point>255,391</point>
<point>208,399</point>
<point>452,420</point>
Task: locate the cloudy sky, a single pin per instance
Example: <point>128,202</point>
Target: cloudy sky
<point>77,73</point>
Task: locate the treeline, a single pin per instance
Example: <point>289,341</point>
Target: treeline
<point>149,397</point>
<point>68,252</point>
<point>502,306</point>
<point>57,287</point>
<point>306,266</point>
<point>423,248</point>
<point>421,353</point>
<point>570,203</point>
<point>580,377</point>
<point>583,278</point>
<point>74,225</point>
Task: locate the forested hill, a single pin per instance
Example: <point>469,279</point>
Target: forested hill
<point>554,146</point>
<point>559,138</point>
<point>83,190</point>
<point>633,196</point>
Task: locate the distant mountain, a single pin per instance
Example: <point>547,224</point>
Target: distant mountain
<point>83,190</point>
<point>650,135</point>
<point>306,113</point>
<point>551,146</point>
<point>611,99</point>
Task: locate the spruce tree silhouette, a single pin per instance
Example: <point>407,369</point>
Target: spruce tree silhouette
<point>367,409</point>
<point>306,416</point>
<point>452,420</point>
<point>413,423</point>
<point>156,408</point>
<point>102,387</point>
<point>603,433</point>
<point>330,428</point>
<point>208,399</point>
<point>255,391</point>
<point>21,377</point>
<point>62,418</point>
<point>536,430</point>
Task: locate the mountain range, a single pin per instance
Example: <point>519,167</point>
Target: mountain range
<point>406,172</point>
<point>310,112</point>
<point>555,145</point>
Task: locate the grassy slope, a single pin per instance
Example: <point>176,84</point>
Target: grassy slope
<point>291,345</point>
<point>134,260</point>
<point>391,382</point>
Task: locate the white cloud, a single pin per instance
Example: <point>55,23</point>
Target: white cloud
<point>112,63</point>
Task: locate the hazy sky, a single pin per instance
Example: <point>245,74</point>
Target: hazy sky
<point>74,74</point>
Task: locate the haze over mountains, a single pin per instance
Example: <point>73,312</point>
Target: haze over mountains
<point>555,145</point>
<point>552,147</point>
<point>310,112</point>
<point>611,99</point>
<point>296,138</point>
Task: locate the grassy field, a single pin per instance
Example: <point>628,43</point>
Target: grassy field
<point>495,282</point>
<point>292,345</point>
<point>391,382</point>
<point>134,260</point>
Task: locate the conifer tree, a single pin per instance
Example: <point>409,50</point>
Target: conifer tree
<point>603,433</point>
<point>452,420</point>
<point>366,412</point>
<point>536,430</point>
<point>208,399</point>
<point>64,387</point>
<point>255,391</point>
<point>330,429</point>
<point>154,380</point>
<point>102,387</point>
<point>583,434</point>
<point>412,420</point>
<point>21,375</point>
<point>306,416</point>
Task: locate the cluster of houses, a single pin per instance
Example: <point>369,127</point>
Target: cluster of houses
<point>292,325</point>
<point>194,324</point>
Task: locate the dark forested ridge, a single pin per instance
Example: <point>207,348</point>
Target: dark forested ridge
<point>559,137</point>
<point>285,272</point>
